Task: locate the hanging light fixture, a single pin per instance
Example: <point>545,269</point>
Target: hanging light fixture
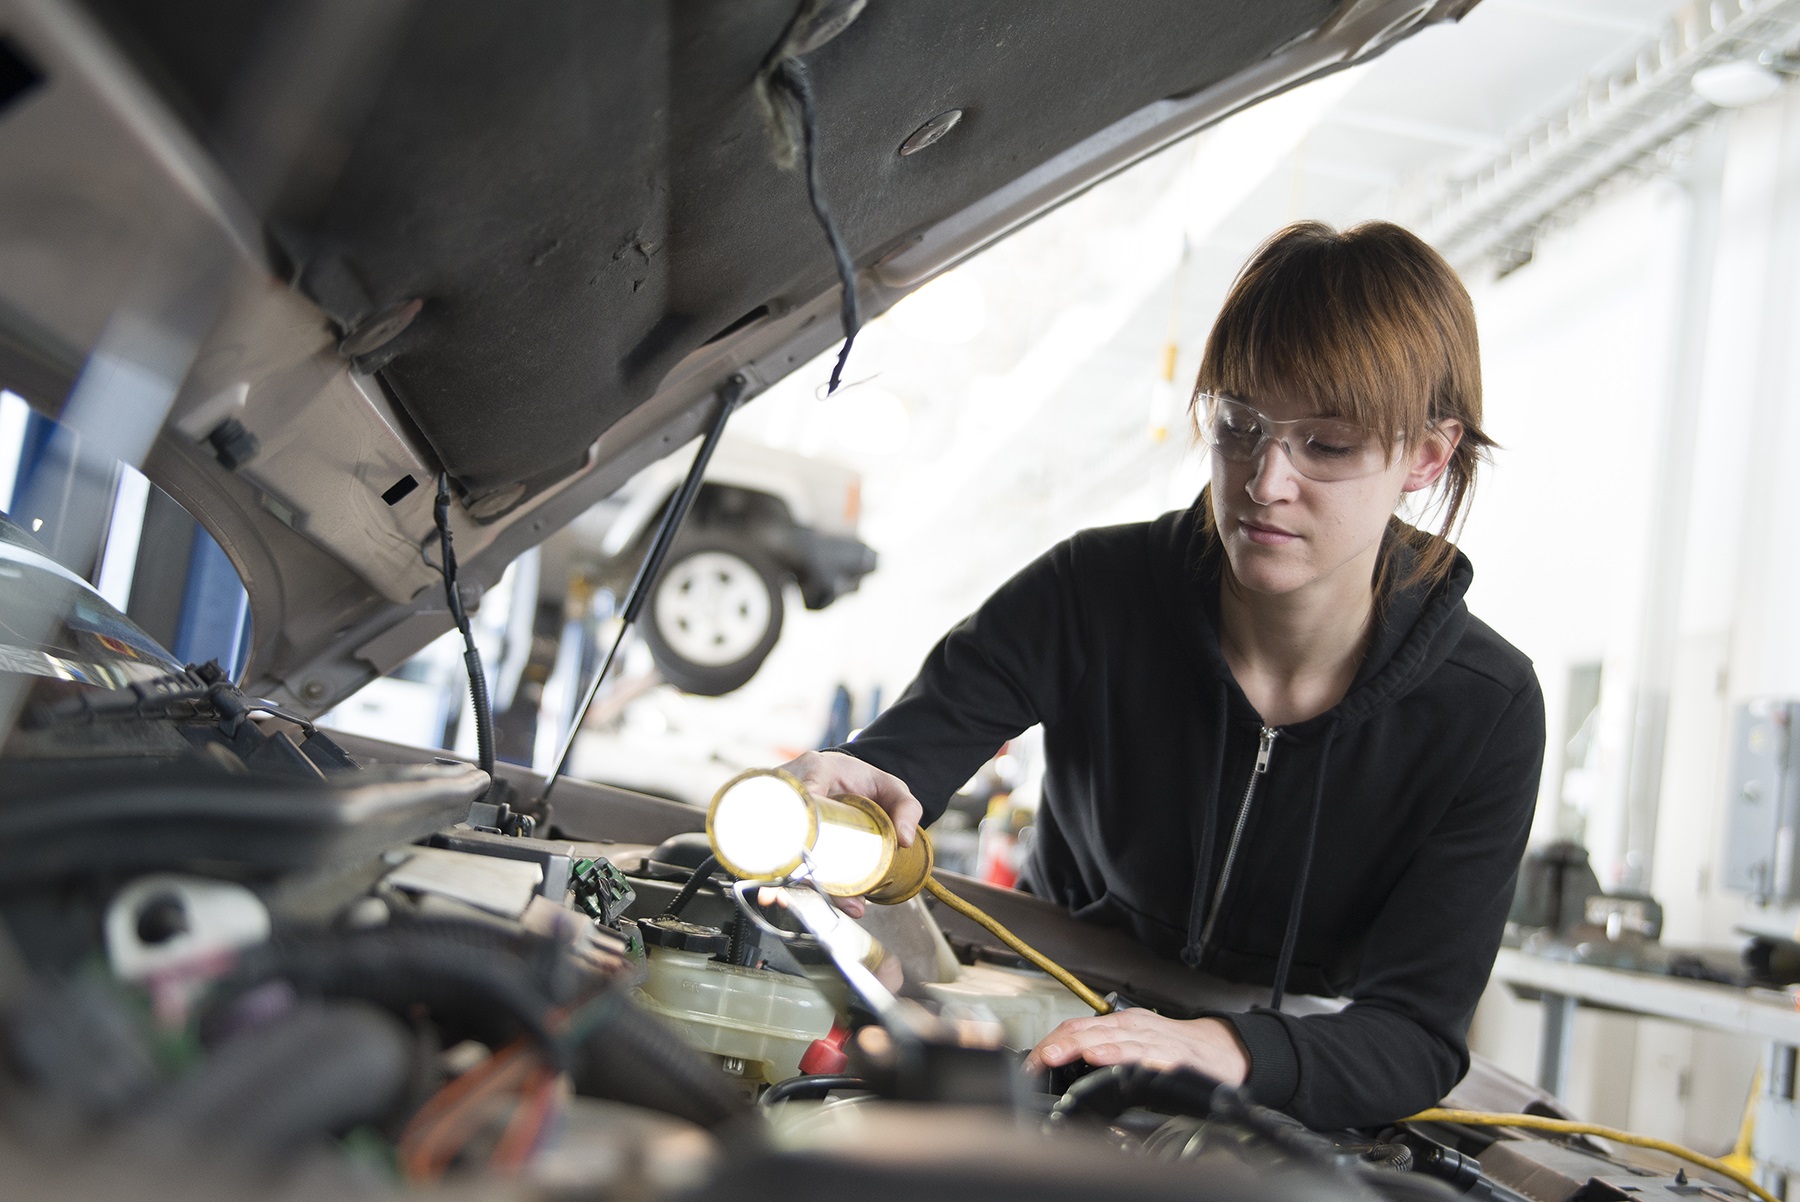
<point>1737,84</point>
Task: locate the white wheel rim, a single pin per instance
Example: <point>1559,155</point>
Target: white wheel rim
<point>712,608</point>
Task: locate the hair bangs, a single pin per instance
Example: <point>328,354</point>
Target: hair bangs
<point>1367,325</point>
<point>1310,324</point>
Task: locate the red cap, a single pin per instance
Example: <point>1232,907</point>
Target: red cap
<point>826,1055</point>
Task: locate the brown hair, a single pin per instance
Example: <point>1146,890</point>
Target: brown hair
<point>1369,325</point>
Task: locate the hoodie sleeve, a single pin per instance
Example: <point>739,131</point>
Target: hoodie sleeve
<point>1006,667</point>
<point>1402,1042</point>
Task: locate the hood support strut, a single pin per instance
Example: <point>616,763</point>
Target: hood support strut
<point>731,396</point>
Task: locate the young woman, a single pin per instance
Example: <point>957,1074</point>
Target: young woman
<point>1278,745</point>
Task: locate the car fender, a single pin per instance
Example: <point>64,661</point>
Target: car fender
<point>815,492</point>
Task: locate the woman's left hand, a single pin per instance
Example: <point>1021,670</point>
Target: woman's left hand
<point>1206,1045</point>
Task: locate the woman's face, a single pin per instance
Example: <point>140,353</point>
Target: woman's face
<point>1286,534</point>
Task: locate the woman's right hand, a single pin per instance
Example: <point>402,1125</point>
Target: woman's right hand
<point>834,774</point>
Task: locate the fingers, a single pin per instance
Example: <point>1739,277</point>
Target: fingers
<point>1062,1045</point>
<point>855,907</point>
<point>905,810</point>
<point>890,973</point>
<point>1125,1037</point>
<point>834,774</point>
<point>804,767</point>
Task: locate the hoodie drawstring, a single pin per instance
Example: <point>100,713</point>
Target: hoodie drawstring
<point>1286,960</point>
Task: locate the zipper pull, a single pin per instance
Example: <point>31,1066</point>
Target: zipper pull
<point>1263,749</point>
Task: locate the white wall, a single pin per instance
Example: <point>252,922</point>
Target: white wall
<point>1575,352</point>
<point>1578,351</point>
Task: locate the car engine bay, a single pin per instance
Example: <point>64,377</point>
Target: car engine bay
<point>241,955</point>
<point>233,943</point>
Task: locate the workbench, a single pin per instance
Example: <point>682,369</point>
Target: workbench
<point>1766,1014</point>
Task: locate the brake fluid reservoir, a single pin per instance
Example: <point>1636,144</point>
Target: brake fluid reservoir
<point>1027,1003</point>
<point>760,1022</point>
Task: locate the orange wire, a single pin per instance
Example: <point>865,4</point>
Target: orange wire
<point>458,1086</point>
<point>529,1118</point>
<point>440,1143</point>
<point>447,1120</point>
<point>453,1113</point>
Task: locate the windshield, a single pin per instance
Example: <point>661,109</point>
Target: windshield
<point>54,624</point>
<point>105,581</point>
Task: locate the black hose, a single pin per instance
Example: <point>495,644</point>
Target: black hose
<point>475,982</point>
<point>1280,1130</point>
<point>1106,1093</point>
<point>478,689</point>
<point>680,901</point>
<point>276,1089</point>
<point>621,1053</point>
<point>809,1088</point>
<point>1398,1157</point>
<point>1462,1173</point>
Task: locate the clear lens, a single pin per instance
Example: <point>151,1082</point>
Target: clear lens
<point>1235,431</point>
<point>760,826</point>
<point>763,823</point>
<point>1319,447</point>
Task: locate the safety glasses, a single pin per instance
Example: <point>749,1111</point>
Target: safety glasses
<point>1320,448</point>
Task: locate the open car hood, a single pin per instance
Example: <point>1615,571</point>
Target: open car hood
<point>298,258</point>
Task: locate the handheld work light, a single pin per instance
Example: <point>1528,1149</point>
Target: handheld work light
<point>764,824</point>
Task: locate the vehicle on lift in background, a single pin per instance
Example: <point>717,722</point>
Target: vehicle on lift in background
<point>763,518</point>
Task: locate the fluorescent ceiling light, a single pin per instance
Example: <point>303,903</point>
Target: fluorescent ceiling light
<point>1737,84</point>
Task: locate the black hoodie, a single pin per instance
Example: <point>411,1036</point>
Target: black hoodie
<point>1380,842</point>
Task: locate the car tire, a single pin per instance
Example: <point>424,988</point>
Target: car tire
<point>715,614</point>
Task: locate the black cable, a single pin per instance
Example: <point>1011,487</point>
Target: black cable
<point>730,397</point>
<point>692,887</point>
<point>794,77</point>
<point>744,946</point>
<point>1108,1092</point>
<point>478,690</point>
<point>809,1088</point>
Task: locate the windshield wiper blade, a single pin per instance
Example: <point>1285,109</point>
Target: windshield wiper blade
<point>159,697</point>
<point>197,691</point>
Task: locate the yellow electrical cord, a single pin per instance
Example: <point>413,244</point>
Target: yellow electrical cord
<point>975,914</point>
<point>1481,1118</point>
<point>1739,1157</point>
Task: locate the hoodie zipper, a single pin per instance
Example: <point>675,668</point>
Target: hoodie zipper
<point>1269,735</point>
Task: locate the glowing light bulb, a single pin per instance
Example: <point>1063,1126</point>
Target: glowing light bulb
<point>760,826</point>
<point>763,824</point>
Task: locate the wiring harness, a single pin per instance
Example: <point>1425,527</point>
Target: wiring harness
<point>478,690</point>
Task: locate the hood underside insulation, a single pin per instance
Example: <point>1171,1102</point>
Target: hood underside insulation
<point>580,194</point>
